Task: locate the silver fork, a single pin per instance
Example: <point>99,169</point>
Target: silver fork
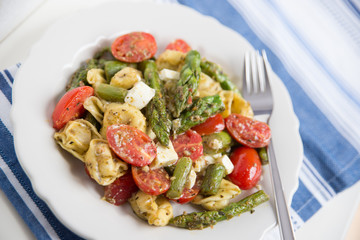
<point>257,90</point>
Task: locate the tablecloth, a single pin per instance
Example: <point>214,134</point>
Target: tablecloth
<point>316,55</point>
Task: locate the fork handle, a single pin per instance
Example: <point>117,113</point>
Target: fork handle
<point>283,216</point>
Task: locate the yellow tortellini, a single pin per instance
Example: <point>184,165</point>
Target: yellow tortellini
<point>227,97</point>
<point>126,78</point>
<point>96,107</point>
<point>157,210</point>
<point>241,106</point>
<point>208,86</point>
<point>101,163</point>
<point>170,59</point>
<point>221,199</point>
<point>75,137</point>
<point>234,103</point>
<point>122,113</point>
<point>95,76</point>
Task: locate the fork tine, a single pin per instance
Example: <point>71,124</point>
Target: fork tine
<point>254,72</point>
<point>247,73</point>
<point>260,65</point>
<point>267,65</point>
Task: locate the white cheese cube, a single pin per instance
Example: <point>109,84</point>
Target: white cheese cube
<point>140,95</point>
<point>165,156</point>
<point>190,182</point>
<point>202,162</point>
<point>167,74</point>
<point>226,162</point>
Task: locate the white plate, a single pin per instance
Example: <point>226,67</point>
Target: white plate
<point>59,179</point>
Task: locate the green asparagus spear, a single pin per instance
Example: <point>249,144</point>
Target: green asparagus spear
<point>199,111</point>
<point>213,176</point>
<point>179,178</point>
<point>188,83</point>
<point>263,155</point>
<point>217,73</point>
<point>200,220</point>
<point>111,93</point>
<point>79,77</point>
<point>156,110</point>
<point>217,142</point>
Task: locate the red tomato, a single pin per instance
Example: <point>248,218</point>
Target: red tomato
<point>70,106</point>
<point>188,144</point>
<point>121,189</point>
<point>249,132</point>
<point>213,124</point>
<point>179,45</point>
<point>247,167</point>
<point>188,194</point>
<point>131,144</point>
<point>151,181</point>
<point>134,47</point>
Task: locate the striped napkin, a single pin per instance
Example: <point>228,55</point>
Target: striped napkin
<point>313,46</point>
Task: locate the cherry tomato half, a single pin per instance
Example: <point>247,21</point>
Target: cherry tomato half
<point>247,167</point>
<point>120,190</point>
<point>189,194</point>
<point>247,131</point>
<point>188,144</point>
<point>213,124</point>
<point>70,106</point>
<point>151,181</point>
<point>134,47</point>
<point>131,145</point>
<point>179,45</point>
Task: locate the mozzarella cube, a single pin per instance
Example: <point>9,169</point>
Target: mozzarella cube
<point>226,162</point>
<point>140,95</point>
<point>165,156</point>
<point>167,74</point>
<point>190,182</point>
<point>202,162</point>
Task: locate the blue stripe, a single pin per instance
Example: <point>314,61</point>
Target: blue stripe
<point>353,7</point>
<point>311,51</point>
<point>9,75</point>
<point>311,206</point>
<point>5,88</point>
<point>21,207</point>
<point>7,152</point>
<point>319,181</point>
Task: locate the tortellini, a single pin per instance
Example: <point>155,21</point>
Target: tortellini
<point>75,137</point>
<point>241,106</point>
<point>122,113</point>
<point>227,97</point>
<point>95,76</point>
<point>96,107</point>
<point>170,59</point>
<point>234,103</point>
<point>221,199</point>
<point>157,210</point>
<point>126,78</point>
<point>208,86</point>
<point>102,165</point>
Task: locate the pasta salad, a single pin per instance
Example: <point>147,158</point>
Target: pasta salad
<point>157,130</point>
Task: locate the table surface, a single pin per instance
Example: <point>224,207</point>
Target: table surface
<point>338,219</point>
